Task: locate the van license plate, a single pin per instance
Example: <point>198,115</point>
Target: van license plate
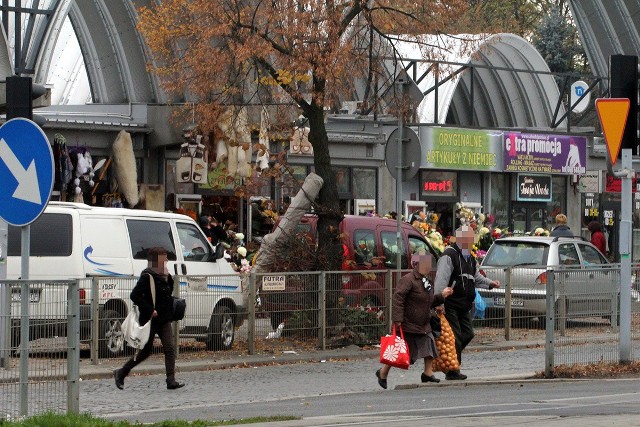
<point>33,297</point>
<point>515,302</point>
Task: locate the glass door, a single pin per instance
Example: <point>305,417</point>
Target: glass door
<point>526,217</point>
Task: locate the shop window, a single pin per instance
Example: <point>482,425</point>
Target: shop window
<point>364,183</point>
<point>144,234</point>
<point>194,246</point>
<point>342,179</point>
<point>558,197</point>
<point>50,235</point>
<point>292,181</point>
<point>500,200</point>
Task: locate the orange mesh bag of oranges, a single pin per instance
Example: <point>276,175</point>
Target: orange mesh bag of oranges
<point>446,344</point>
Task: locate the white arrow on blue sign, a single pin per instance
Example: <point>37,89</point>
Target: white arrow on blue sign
<point>26,171</point>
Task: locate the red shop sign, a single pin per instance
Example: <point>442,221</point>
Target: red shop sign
<point>614,185</point>
<point>439,183</point>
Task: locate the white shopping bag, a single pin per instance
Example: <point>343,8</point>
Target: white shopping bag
<point>134,334</point>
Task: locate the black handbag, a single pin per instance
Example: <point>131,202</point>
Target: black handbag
<point>179,308</point>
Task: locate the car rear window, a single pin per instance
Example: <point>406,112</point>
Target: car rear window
<point>516,253</point>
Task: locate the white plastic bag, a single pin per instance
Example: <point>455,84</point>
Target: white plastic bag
<point>134,334</point>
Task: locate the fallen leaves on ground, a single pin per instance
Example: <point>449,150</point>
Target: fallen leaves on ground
<point>595,370</point>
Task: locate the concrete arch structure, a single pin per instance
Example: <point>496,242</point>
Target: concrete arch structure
<point>607,28</point>
<point>505,83</point>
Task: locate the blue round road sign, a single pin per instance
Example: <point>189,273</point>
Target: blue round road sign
<point>26,171</point>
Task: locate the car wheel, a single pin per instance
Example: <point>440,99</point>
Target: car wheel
<point>111,338</point>
<point>221,332</point>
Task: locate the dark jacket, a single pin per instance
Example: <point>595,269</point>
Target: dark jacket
<point>141,296</point>
<point>412,303</point>
<point>454,271</point>
<point>562,231</point>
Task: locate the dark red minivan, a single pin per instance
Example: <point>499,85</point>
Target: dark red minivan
<point>369,244</point>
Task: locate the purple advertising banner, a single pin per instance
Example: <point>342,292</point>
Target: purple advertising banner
<point>540,153</point>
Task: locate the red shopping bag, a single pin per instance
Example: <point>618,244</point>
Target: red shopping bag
<point>394,350</point>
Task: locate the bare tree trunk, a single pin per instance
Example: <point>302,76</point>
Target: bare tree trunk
<point>329,214</point>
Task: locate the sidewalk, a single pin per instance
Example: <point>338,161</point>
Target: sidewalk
<point>155,363</point>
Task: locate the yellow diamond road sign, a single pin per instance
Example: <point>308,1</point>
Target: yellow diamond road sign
<point>613,114</point>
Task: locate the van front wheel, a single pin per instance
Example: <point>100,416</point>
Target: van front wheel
<point>221,332</point>
<point>111,339</point>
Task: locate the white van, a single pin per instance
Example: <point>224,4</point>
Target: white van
<point>72,241</point>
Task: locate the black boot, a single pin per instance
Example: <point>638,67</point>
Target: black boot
<point>119,377</point>
<point>455,376</point>
<point>428,378</point>
<point>173,384</point>
<point>382,382</point>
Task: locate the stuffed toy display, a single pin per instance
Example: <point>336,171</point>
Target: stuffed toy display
<point>235,142</point>
<point>300,142</point>
<point>192,164</point>
<point>83,165</point>
<point>124,163</point>
<point>262,156</point>
<point>83,170</point>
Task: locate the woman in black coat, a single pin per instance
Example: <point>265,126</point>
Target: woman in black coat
<point>160,313</point>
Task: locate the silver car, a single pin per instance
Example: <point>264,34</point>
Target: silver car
<point>586,286</point>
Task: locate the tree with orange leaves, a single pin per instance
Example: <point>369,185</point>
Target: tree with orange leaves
<point>305,55</point>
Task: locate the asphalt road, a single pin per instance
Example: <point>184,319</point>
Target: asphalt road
<point>573,403</point>
<point>346,392</point>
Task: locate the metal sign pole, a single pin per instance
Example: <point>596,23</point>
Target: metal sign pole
<point>626,174</point>
<point>25,253</point>
<point>400,167</point>
<point>5,298</point>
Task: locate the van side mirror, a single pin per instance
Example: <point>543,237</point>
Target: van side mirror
<point>219,252</point>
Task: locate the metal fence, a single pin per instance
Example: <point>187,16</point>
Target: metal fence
<point>583,321</point>
<point>39,370</point>
<point>217,309</point>
<point>573,311</point>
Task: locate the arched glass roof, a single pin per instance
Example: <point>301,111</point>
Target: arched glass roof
<point>66,73</point>
<point>510,82</point>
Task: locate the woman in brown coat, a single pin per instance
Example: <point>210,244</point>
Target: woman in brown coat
<point>412,302</point>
